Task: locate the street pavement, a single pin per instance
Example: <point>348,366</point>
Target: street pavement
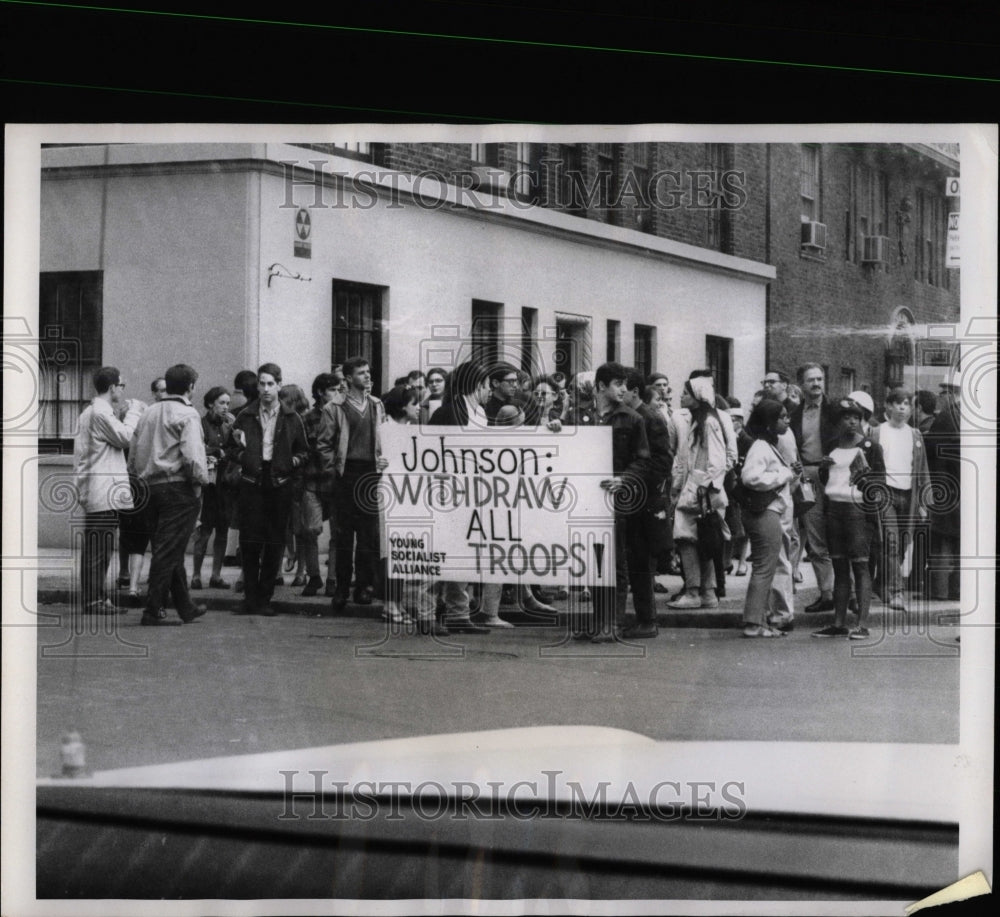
<point>229,684</point>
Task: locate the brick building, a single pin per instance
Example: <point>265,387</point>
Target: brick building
<point>856,233</point>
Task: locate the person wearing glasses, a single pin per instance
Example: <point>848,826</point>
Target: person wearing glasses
<point>104,432</point>
<point>775,385</point>
<point>502,408</point>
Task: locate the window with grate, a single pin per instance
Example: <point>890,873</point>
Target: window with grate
<point>71,322</point>
<point>357,325</point>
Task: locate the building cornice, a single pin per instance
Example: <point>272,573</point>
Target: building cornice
<point>338,174</point>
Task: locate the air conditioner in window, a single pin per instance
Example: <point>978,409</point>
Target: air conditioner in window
<point>875,250</point>
<point>813,235</point>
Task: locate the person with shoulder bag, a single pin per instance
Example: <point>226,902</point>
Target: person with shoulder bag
<point>766,480</point>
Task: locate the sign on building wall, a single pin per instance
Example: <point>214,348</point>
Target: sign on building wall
<point>953,186</point>
<point>498,506</point>
<point>303,234</point>
<point>951,254</point>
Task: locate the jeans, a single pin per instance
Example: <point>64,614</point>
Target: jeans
<point>769,591</point>
<point>96,552</point>
<point>897,531</point>
<point>173,513</point>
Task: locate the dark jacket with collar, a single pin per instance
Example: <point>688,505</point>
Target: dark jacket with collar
<point>661,457</point>
<point>829,425</point>
<point>291,450</point>
<point>630,455</point>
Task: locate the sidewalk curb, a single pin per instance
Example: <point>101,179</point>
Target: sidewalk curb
<point>217,600</point>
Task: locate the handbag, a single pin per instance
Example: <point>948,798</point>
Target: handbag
<point>709,522</point>
<point>803,498</point>
<point>756,501</point>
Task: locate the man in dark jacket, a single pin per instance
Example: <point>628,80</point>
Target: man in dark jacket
<point>630,457</point>
<point>269,444</point>
<point>641,524</point>
<point>943,441</point>
<point>815,425</point>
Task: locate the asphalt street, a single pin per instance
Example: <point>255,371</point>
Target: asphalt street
<point>229,684</point>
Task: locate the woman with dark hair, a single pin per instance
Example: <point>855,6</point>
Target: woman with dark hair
<point>402,404</point>
<point>699,473</point>
<point>848,474</point>
<point>216,498</point>
<point>767,515</point>
<point>467,392</point>
<point>436,378</point>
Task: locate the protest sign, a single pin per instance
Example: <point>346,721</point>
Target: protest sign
<point>498,506</point>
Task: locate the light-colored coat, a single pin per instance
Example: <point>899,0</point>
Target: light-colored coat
<point>99,467</point>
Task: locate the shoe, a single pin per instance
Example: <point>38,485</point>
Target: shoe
<point>338,603</point>
<point>364,596</point>
<point>159,618</point>
<point>104,607</point>
<point>831,631</point>
<point>466,627</point>
<point>820,604</point>
<point>313,586</point>
<point>859,633</point>
<point>299,581</point>
<point>660,588</point>
<point>196,583</point>
<point>604,638</point>
<point>279,581</point>
<point>741,570</point>
<point>798,578</point>
<point>331,588</point>
<point>641,632</point>
<point>720,593</point>
<point>495,622</point>
<point>532,604</point>
<point>267,611</point>
<point>134,600</point>
<point>585,594</point>
<point>896,602</point>
<point>786,626</point>
<point>196,612</point>
<point>710,601</point>
<point>431,628</point>
<point>561,594</point>
<point>544,596</point>
<point>678,594</point>
<point>217,582</point>
<point>761,631</point>
<point>686,600</point>
<point>395,615</point>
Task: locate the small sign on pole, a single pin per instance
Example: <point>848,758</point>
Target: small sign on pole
<point>951,254</point>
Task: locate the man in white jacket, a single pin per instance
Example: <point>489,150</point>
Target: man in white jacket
<point>104,431</point>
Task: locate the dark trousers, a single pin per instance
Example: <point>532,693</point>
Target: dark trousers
<point>264,511</point>
<point>173,514</point>
<point>633,541</point>
<point>357,526</point>
<point>95,554</point>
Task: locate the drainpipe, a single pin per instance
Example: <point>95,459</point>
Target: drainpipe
<point>767,256</point>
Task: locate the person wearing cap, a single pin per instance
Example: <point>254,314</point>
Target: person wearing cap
<point>702,462</point>
<point>814,423</point>
<point>907,480</point>
<point>850,475</point>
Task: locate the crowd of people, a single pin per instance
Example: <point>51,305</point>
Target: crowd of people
<point>702,491</point>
